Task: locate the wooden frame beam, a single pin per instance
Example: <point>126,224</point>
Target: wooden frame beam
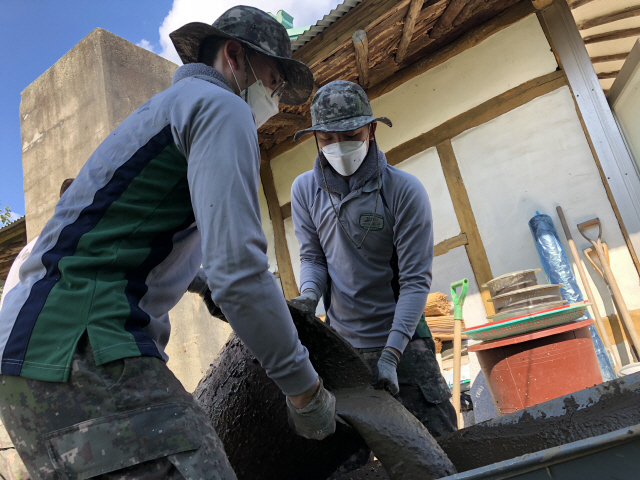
<point>464,213</point>
<point>285,269</point>
<point>483,113</point>
<point>609,18</point>
<point>407,30</point>
<point>361,46</point>
<point>614,35</point>
<point>579,3</point>
<point>445,22</point>
<point>609,58</point>
<point>449,244</point>
<point>607,75</point>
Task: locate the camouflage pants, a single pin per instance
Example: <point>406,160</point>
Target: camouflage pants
<point>423,391</point>
<point>128,419</point>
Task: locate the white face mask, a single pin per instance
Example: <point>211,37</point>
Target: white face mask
<point>259,98</point>
<point>346,157</point>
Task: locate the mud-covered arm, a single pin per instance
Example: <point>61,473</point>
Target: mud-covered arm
<point>217,135</point>
<point>413,239</point>
<point>313,263</point>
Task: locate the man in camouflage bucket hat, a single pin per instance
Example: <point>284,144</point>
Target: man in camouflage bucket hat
<point>85,388</point>
<point>366,244</point>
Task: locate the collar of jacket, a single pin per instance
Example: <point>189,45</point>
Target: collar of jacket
<point>202,71</point>
<point>366,173</point>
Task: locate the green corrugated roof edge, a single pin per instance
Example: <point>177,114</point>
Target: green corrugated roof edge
<point>287,21</point>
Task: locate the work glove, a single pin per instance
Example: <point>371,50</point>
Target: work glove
<point>307,302</point>
<point>384,373</point>
<point>318,419</point>
<point>199,286</point>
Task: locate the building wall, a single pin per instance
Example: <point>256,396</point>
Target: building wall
<point>534,157</point>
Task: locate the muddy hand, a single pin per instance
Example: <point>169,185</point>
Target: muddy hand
<point>199,286</point>
<point>307,302</point>
<point>316,420</point>
<point>384,373</point>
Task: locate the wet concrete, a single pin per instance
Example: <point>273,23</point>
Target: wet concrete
<point>249,413</point>
<point>593,411</point>
<point>401,443</point>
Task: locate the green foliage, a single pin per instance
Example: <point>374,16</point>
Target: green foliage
<point>5,215</point>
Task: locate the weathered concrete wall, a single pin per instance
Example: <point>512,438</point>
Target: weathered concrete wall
<point>67,111</point>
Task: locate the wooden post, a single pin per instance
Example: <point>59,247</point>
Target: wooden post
<point>283,258</point>
<point>460,199</point>
<point>361,45</point>
<point>409,25</point>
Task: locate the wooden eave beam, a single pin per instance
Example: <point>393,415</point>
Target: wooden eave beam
<point>609,18</point>
<point>614,35</point>
<point>610,58</point>
<point>286,119</point>
<point>445,22</point>
<point>407,30</point>
<point>579,3</point>
<point>361,46</point>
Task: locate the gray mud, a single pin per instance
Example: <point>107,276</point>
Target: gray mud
<point>249,414</point>
<point>593,411</point>
<point>371,471</point>
<point>403,445</point>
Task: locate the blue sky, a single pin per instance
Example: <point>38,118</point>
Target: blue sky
<point>34,34</point>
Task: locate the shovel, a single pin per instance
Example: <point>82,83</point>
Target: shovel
<point>610,280</point>
<point>458,302</point>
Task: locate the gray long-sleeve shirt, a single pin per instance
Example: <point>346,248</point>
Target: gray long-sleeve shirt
<point>363,305</point>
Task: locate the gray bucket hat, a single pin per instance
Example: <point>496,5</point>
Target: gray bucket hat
<point>255,29</point>
<point>340,106</point>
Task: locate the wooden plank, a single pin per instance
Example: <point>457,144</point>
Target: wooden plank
<point>409,25</point>
<point>614,35</point>
<point>469,40</point>
<point>605,75</point>
<point>284,118</point>
<point>361,46</point>
<point>464,213</point>
<point>449,244</point>
<point>616,333</point>
<point>483,113</point>
<point>610,58</point>
<point>283,258</point>
<point>609,18</point>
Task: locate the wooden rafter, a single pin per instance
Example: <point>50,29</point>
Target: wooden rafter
<point>614,35</point>
<point>610,58</point>
<point>407,31</point>
<point>361,46</point>
<point>609,18</point>
<point>445,22</point>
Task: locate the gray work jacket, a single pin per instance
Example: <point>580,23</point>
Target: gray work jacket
<point>378,292</point>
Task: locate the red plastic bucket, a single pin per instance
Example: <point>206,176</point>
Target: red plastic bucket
<point>532,368</point>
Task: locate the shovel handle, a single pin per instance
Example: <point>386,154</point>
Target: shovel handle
<point>590,223</point>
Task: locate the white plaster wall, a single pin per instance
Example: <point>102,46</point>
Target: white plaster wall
<point>267,226</point>
<point>503,61</point>
<point>627,111</point>
<point>535,158</point>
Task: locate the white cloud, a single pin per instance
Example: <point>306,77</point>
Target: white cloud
<point>184,11</point>
<point>146,44</point>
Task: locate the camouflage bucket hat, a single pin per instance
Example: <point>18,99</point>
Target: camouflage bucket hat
<point>340,106</point>
<point>255,29</point>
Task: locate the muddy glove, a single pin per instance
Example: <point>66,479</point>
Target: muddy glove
<point>318,419</point>
<point>307,302</point>
<point>384,373</point>
<point>199,286</point>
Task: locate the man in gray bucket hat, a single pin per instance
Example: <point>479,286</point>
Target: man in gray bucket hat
<point>85,390</point>
<point>366,244</point>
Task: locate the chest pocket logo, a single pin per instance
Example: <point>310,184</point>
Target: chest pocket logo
<point>376,221</point>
